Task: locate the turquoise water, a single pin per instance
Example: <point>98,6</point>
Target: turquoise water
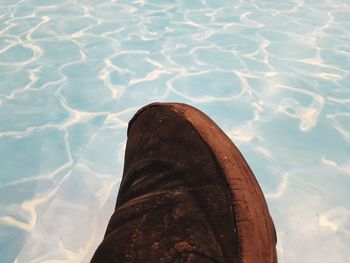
<point>273,74</point>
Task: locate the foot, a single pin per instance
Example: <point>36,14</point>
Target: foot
<point>187,195</point>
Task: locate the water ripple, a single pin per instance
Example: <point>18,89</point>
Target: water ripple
<point>274,75</point>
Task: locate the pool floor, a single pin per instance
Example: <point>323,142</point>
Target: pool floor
<point>274,75</point>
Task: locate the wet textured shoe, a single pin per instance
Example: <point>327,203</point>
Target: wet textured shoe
<point>187,195</point>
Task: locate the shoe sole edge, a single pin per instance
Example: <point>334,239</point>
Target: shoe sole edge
<point>255,229</point>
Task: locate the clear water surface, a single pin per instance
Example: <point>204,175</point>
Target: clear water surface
<point>274,75</point>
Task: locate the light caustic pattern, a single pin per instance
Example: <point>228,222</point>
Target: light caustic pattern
<point>273,74</point>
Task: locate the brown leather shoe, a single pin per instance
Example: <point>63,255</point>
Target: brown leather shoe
<point>187,195</point>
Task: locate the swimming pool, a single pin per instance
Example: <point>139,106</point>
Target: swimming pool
<point>274,75</point>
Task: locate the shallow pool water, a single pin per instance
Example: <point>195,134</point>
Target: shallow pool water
<point>273,74</point>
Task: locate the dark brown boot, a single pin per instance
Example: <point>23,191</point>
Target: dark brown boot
<point>187,195</point>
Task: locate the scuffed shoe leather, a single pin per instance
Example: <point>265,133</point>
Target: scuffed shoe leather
<point>178,200</point>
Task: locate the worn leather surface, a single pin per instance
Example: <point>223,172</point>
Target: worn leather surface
<point>174,204</point>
